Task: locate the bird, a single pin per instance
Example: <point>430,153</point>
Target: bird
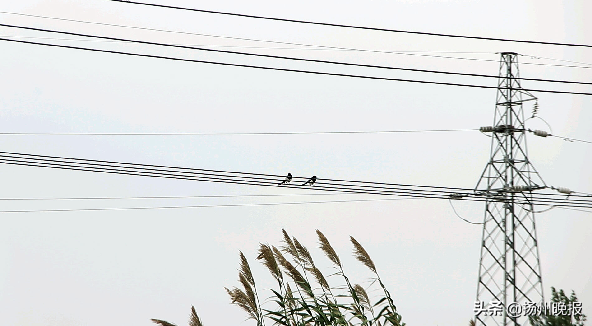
<point>287,179</point>
<point>311,181</point>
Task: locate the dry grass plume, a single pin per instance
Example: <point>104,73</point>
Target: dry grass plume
<point>327,249</point>
<point>162,322</point>
<point>266,254</point>
<point>363,296</point>
<point>361,254</point>
<point>241,299</point>
<point>293,272</point>
<point>289,246</point>
<point>194,319</point>
<point>245,269</point>
<point>303,252</point>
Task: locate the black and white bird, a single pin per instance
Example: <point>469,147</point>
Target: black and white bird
<point>311,181</point>
<point>287,179</point>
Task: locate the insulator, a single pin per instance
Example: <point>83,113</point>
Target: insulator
<point>456,196</point>
<point>563,190</point>
<point>522,188</point>
<point>535,109</point>
<point>486,129</point>
<point>504,128</point>
<point>541,133</point>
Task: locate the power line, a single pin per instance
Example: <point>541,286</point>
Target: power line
<point>284,57</point>
<point>218,175</point>
<point>308,46</point>
<point>57,210</point>
<point>572,139</point>
<point>541,133</point>
<point>18,199</point>
<point>354,26</point>
<point>554,59</point>
<point>462,218</point>
<point>258,179</point>
<point>99,209</point>
<point>408,53</point>
<point>282,69</point>
<point>265,133</point>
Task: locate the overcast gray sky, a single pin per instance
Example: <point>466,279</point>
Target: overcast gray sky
<point>127,266</point>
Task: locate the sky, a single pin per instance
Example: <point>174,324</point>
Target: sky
<point>127,266</point>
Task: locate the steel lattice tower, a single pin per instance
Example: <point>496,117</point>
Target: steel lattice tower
<point>509,267</point>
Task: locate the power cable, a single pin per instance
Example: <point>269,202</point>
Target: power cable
<point>572,139</point>
<point>213,175</point>
<point>283,69</point>
<point>462,218</point>
<point>308,46</point>
<point>18,199</point>
<point>269,133</point>
<point>353,26</point>
<point>97,209</point>
<point>555,59</point>
<point>284,57</point>
<point>217,175</point>
<point>56,210</point>
<point>263,133</point>
<point>542,133</point>
<point>335,185</point>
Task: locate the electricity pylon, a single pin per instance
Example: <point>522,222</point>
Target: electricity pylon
<point>509,268</point>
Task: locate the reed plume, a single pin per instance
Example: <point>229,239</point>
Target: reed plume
<point>327,249</point>
<point>293,272</point>
<point>194,319</point>
<point>289,246</point>
<point>308,308</point>
<point>319,277</point>
<point>162,322</point>
<point>361,255</point>
<point>250,298</point>
<point>248,289</point>
<point>390,312</point>
<point>303,253</point>
<point>364,300</point>
<point>266,254</point>
<point>241,299</point>
<point>245,269</point>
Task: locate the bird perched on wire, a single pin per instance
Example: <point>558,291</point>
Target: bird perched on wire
<point>311,181</point>
<point>287,179</point>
